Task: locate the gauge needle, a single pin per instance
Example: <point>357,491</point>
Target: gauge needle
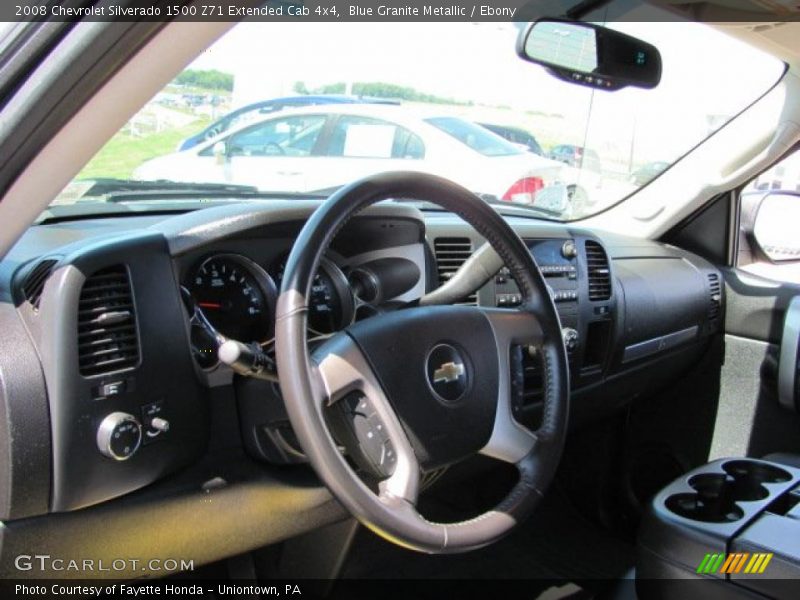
<point>209,305</point>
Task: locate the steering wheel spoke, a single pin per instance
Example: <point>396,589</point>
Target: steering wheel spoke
<point>510,440</point>
<point>342,371</point>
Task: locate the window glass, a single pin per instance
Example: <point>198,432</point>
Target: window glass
<point>474,136</point>
<point>423,101</point>
<point>365,137</point>
<point>292,136</point>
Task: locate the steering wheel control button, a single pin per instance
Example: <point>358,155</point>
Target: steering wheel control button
<point>388,458</point>
<point>517,379</point>
<point>372,450</point>
<point>154,425</point>
<point>447,373</point>
<point>119,436</point>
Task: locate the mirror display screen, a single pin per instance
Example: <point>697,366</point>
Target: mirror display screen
<point>565,45</point>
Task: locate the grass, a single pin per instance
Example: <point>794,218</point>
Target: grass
<point>124,152</point>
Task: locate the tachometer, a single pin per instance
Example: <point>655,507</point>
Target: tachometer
<point>331,305</point>
<point>236,295</point>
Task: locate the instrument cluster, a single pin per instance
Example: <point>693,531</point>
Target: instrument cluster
<point>237,297</point>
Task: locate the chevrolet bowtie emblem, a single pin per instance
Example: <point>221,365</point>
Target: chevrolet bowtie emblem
<point>448,373</point>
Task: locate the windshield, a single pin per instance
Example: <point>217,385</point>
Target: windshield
<point>318,112</point>
<point>474,136</point>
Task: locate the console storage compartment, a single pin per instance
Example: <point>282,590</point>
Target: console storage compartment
<point>735,522</point>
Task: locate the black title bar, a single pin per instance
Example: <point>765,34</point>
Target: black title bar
<point>369,10</point>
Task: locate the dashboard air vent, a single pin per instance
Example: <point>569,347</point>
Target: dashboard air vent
<point>107,337</point>
<point>33,285</point>
<point>451,253</point>
<point>599,272</point>
<point>714,296</point>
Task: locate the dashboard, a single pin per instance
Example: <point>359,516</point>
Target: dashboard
<point>128,402</point>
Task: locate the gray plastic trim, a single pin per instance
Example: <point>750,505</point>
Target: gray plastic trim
<point>476,271</point>
<point>196,229</point>
<point>348,370</point>
<point>787,365</point>
<point>659,344</point>
<point>510,441</point>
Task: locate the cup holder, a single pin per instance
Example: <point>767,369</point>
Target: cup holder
<point>712,501</point>
<point>754,473</point>
<point>717,494</point>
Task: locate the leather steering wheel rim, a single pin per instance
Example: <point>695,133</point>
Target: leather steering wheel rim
<point>309,384</point>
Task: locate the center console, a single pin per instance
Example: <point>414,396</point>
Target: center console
<point>579,278</point>
<point>734,523</point>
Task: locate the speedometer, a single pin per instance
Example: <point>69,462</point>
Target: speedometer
<point>331,306</point>
<point>236,295</point>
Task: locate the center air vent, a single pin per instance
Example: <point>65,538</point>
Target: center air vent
<point>714,296</point>
<point>451,253</point>
<point>107,337</point>
<point>599,273</point>
<point>33,286</point>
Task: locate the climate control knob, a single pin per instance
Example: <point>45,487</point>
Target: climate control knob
<point>119,436</point>
<point>570,338</point>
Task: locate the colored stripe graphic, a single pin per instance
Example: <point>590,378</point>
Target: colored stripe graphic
<point>734,563</point>
<point>767,558</point>
<point>729,562</point>
<point>717,564</point>
<point>741,562</point>
<point>756,558</point>
<point>704,564</point>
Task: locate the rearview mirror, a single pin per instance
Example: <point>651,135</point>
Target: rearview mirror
<point>590,55</point>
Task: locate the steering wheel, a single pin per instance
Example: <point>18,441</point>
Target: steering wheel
<point>432,384</point>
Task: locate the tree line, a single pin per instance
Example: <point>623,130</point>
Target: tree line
<point>210,79</point>
<point>377,89</point>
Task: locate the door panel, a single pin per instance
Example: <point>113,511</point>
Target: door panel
<point>751,420</point>
<point>756,306</point>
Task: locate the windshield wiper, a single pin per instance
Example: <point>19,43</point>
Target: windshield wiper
<point>106,186</point>
<point>132,190</point>
<point>518,209</point>
<point>523,209</point>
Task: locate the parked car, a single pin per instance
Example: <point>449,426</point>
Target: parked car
<point>313,148</point>
<point>648,172</point>
<point>576,156</point>
<point>516,135</point>
<point>257,110</point>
